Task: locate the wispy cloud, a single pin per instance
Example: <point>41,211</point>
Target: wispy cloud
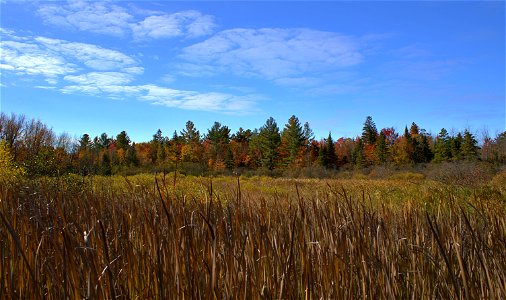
<point>191,100</point>
<point>28,58</point>
<point>111,19</point>
<point>272,53</point>
<point>55,58</point>
<point>97,17</point>
<point>92,56</point>
<point>187,23</point>
<point>80,68</point>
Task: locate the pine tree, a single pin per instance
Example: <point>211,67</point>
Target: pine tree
<point>84,142</point>
<point>369,132</point>
<point>358,156</point>
<point>442,150</point>
<point>424,149</point>
<point>105,165</point>
<point>269,140</point>
<point>455,146</point>
<point>414,129</point>
<point>190,135</point>
<point>331,152</point>
<point>131,156</point>
<point>322,155</point>
<point>122,140</point>
<point>381,148</point>
<point>293,137</point>
<point>229,159</point>
<point>469,147</point>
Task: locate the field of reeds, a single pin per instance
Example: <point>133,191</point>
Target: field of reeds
<point>176,237</point>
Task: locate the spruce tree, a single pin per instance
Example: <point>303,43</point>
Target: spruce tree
<point>442,151</point>
<point>293,136</point>
<point>358,155</point>
<point>269,140</point>
<point>331,153</point>
<point>229,159</point>
<point>381,148</point>
<point>455,146</point>
<point>469,147</point>
<point>322,155</point>
<point>369,132</point>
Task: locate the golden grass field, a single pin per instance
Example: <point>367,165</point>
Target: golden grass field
<point>166,237</point>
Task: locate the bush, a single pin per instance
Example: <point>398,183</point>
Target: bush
<point>462,173</point>
<point>499,181</point>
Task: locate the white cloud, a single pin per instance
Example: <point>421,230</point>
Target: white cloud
<point>54,58</point>
<point>92,56</point>
<point>97,17</point>
<point>134,70</point>
<point>100,79</point>
<point>110,19</point>
<point>192,100</point>
<point>187,23</point>
<point>272,53</point>
<point>31,59</point>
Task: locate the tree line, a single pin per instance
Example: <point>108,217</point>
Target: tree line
<point>34,147</point>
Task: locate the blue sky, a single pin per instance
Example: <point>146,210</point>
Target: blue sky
<point>93,67</point>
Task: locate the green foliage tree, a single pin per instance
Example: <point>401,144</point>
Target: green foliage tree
<point>455,143</point>
<point>229,159</point>
<point>331,152</point>
<point>469,147</point>
<point>190,134</point>
<point>358,155</point>
<point>293,137</point>
<point>442,151</point>
<point>122,140</point>
<point>369,132</point>
<point>131,156</point>
<point>85,142</point>
<point>105,165</point>
<point>269,141</point>
<point>382,148</point>
<point>322,155</point>
<point>218,134</point>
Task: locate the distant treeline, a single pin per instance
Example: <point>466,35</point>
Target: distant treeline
<point>32,146</point>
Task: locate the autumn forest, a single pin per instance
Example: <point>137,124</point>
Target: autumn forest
<point>39,151</point>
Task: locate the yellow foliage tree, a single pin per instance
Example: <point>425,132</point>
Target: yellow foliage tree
<point>9,171</point>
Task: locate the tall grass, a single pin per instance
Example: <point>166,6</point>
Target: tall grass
<point>146,237</point>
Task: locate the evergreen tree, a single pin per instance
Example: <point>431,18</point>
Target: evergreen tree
<point>382,148</point>
<point>218,134</point>
<point>229,159</point>
<point>308,134</point>
<point>414,129</point>
<point>322,155</point>
<point>369,132</point>
<point>131,156</point>
<point>122,140</point>
<point>469,148</point>
<point>269,141</point>
<point>190,134</point>
<point>357,155</point>
<point>331,152</point>
<point>455,146</point>
<point>442,151</point>
<point>424,150</point>
<point>105,165</point>
<point>103,141</point>
<point>85,142</point>
<point>157,137</point>
<point>293,136</point>
<point>407,135</point>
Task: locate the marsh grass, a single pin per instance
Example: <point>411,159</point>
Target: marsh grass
<point>149,236</point>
